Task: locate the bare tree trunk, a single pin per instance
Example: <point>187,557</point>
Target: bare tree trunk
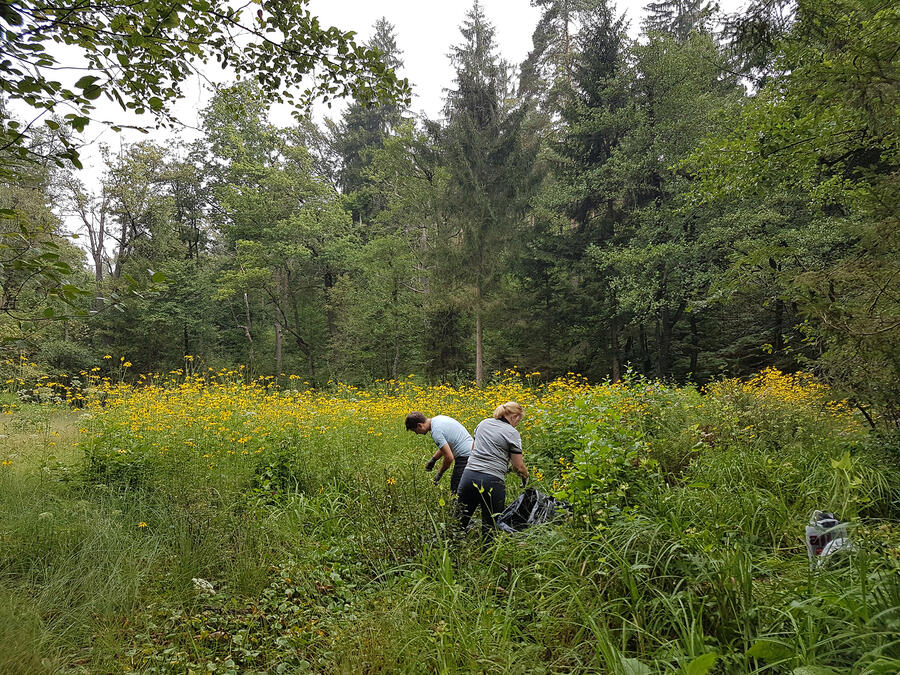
<point>695,346</point>
<point>665,326</point>
<point>92,213</point>
<point>778,337</point>
<point>301,343</point>
<point>479,344</point>
<point>248,326</point>
<point>277,344</point>
<point>396,364</point>
<point>616,364</point>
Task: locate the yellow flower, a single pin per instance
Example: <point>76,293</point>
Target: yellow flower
<point>142,524</point>
<point>391,481</point>
<point>108,356</point>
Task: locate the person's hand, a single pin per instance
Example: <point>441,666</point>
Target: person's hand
<point>437,478</point>
<point>524,481</point>
<point>431,463</point>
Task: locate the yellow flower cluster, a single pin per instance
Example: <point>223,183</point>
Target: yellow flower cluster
<point>218,414</point>
<point>798,389</point>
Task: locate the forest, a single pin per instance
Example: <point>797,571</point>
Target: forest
<point>672,247</point>
<point>713,198</point>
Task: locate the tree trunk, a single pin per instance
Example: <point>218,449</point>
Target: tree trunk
<point>278,338</point>
<point>479,344</point>
<point>395,300</point>
<point>396,364</point>
<point>778,337</point>
<point>615,365</point>
<point>664,326</point>
<point>301,343</point>
<point>695,346</point>
<point>248,327</point>
<point>644,348</point>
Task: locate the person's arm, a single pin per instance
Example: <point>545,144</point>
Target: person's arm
<point>518,465</point>
<point>434,458</point>
<point>447,454</point>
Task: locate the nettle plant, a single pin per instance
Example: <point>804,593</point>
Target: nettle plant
<point>606,458</point>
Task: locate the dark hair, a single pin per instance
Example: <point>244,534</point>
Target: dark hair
<point>414,419</point>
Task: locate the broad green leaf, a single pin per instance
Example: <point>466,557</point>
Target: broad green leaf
<point>844,463</point>
<point>701,664</point>
<point>86,81</point>
<point>770,650</point>
<point>635,667</point>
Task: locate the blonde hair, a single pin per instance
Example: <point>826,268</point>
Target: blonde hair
<point>508,408</point>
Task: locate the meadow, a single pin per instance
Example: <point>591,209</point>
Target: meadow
<point>324,547</point>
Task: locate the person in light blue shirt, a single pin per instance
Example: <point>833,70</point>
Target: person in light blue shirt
<point>453,441</point>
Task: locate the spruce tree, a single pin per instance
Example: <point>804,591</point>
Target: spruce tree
<point>488,168</point>
<point>677,17</point>
<point>576,209</point>
<point>362,131</point>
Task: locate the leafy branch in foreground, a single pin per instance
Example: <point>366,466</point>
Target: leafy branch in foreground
<point>139,55</point>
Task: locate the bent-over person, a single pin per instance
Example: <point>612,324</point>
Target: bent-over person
<point>498,446</point>
<point>454,444</point>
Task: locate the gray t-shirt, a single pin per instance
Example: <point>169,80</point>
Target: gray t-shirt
<point>495,441</point>
<point>447,431</point>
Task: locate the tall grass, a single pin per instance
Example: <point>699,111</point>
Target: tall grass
<point>329,550</point>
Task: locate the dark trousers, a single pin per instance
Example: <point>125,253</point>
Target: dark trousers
<point>459,467</point>
<point>484,490</point>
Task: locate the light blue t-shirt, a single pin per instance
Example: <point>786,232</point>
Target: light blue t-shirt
<point>447,430</point>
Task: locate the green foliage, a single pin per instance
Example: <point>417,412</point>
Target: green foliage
<point>824,129</point>
<point>335,552</point>
<point>488,167</point>
<point>140,55</point>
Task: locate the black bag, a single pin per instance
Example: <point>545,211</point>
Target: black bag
<point>530,508</point>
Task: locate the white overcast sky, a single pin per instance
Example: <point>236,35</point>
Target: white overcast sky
<point>425,32</point>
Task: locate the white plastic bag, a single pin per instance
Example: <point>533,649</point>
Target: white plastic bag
<point>825,535</point>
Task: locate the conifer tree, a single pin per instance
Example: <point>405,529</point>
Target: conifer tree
<point>487,165</point>
<point>362,131</point>
<point>576,208</point>
<point>677,17</point>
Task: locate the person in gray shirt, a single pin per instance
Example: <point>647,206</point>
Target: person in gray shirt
<point>498,446</point>
<point>453,441</point>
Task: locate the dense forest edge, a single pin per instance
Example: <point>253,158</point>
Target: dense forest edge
<point>711,199</point>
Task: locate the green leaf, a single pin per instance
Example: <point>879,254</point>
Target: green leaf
<point>844,463</point>
<point>770,650</point>
<point>93,92</point>
<point>78,124</point>
<point>701,664</point>
<point>635,667</point>
<point>49,313</point>
<point>157,277</point>
<point>86,81</point>
<point>155,103</point>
